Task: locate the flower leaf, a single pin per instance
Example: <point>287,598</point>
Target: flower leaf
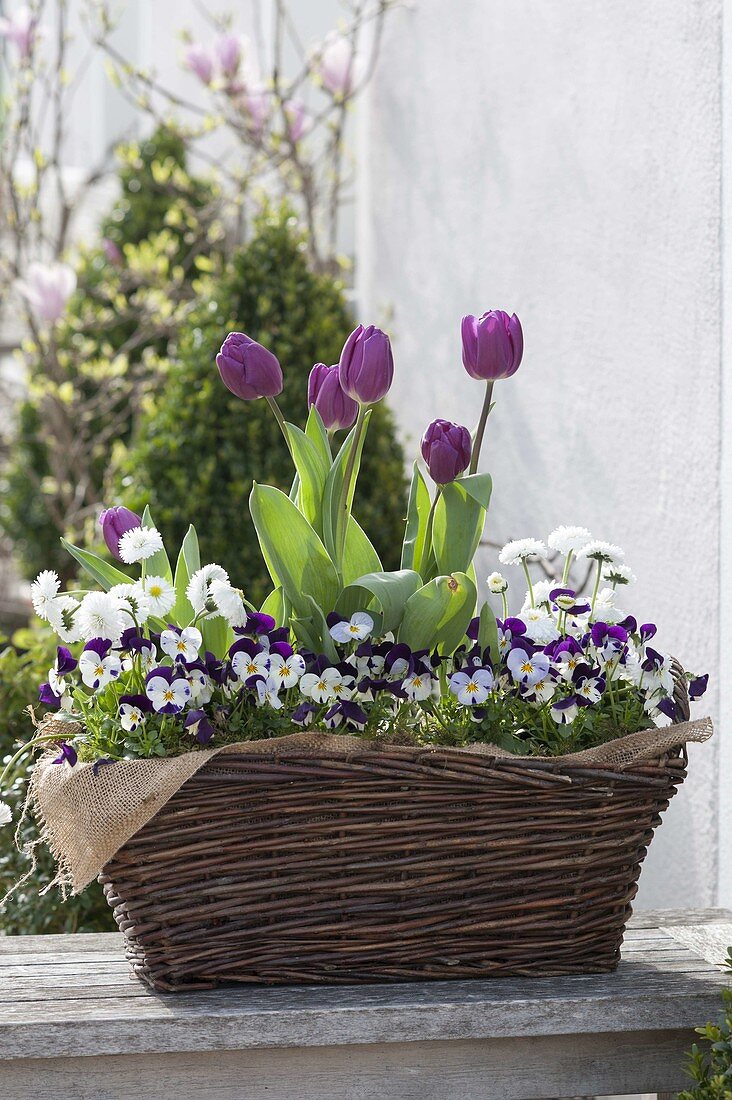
<point>418,510</point>
<point>158,565</point>
<point>333,520</point>
<point>103,573</point>
<point>459,522</point>
<point>276,606</point>
<point>295,556</point>
<point>391,591</point>
<point>437,616</point>
<point>488,633</point>
<point>359,556</point>
<point>312,470</point>
<point>189,560</point>
<point>217,635</point>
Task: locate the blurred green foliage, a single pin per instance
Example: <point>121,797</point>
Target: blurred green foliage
<point>710,1066</point>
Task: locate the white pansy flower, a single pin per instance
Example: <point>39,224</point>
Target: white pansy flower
<point>540,625</point>
<point>286,671</point>
<point>618,573</point>
<point>100,616</point>
<point>544,690</point>
<point>330,684</point>
<point>418,686</point>
<point>6,814</point>
<point>199,586</point>
<point>605,552</point>
<point>160,595</point>
<point>568,540</point>
<point>167,696</point>
<point>183,646</point>
<point>139,544</point>
<point>356,629</point>
<point>229,602</point>
<point>472,688</point>
<point>245,665</point>
<point>267,693</point>
<point>130,717</point>
<point>97,671</point>
<point>497,584</point>
<point>200,685</point>
<point>516,552</point>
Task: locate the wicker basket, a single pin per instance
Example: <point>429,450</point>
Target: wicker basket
<point>393,864</point>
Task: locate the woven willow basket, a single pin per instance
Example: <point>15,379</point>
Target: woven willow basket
<point>394,864</point>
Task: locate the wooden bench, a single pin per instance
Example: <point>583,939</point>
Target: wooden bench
<point>73,1024</point>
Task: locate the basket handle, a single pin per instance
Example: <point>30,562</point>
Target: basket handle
<point>681,691</point>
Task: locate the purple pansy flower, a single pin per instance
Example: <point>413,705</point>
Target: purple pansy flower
<point>698,686</point>
<point>527,668</point>
<point>48,696</point>
<point>68,754</point>
<point>197,723</point>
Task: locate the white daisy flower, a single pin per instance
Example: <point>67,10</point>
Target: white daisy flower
<point>100,616</point>
<point>160,595</point>
<point>541,594</point>
<point>130,717</point>
<point>245,666</point>
<point>133,602</point>
<point>516,552</point>
<point>61,615</point>
<point>183,646</point>
<point>472,688</point>
<point>618,573</point>
<point>606,552</point>
<point>139,544</point>
<point>199,586</point>
<point>418,686</point>
<point>96,672</point>
<point>358,627</point>
<point>497,584</point>
<point>44,591</point>
<point>568,540</point>
<point>6,814</point>
<point>267,693</point>
<point>540,626</point>
<point>229,602</point>
<point>286,671</point>
<point>605,610</point>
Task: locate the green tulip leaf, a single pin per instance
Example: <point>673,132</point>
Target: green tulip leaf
<point>312,470</point>
<point>389,592</point>
<point>312,631</point>
<point>158,564</point>
<point>488,632</point>
<point>217,635</point>
<point>459,522</point>
<point>103,573</point>
<point>295,556</point>
<point>334,518</point>
<point>359,556</point>
<point>189,560</point>
<point>276,606</point>
<point>317,433</point>
<point>418,510</point>
<point>437,616</point>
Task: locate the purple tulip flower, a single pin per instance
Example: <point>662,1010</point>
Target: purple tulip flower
<point>366,367</point>
<point>248,369</point>
<point>115,522</point>
<point>446,450</point>
<point>492,345</point>
<point>337,410</point>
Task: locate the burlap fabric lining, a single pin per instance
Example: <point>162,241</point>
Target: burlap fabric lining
<point>89,811</point>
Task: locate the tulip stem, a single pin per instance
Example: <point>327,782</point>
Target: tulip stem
<point>480,430</point>
<point>346,494</point>
<point>427,548</point>
<point>277,412</point>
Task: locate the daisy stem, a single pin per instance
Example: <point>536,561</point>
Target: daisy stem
<point>480,430</point>
<point>597,583</point>
<point>528,581</point>
<point>505,605</point>
<point>567,567</point>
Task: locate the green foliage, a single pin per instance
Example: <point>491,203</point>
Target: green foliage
<point>22,667</point>
<point>199,449</point>
<point>710,1066</point>
<point>85,387</point>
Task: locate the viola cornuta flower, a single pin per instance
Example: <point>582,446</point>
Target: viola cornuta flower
<point>181,645</point>
<point>358,627</point>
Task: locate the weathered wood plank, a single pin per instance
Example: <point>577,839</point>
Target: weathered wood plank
<point>512,1069</point>
<point>708,941</point>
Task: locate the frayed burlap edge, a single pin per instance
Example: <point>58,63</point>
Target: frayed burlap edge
<point>88,812</point>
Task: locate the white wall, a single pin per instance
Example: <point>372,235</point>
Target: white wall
<point>562,158</point>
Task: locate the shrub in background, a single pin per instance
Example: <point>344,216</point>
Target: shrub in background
<point>197,452</point>
<point>711,1065</point>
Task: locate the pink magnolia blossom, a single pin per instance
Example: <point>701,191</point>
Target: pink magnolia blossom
<point>227,48</point>
<point>47,289</point>
<point>199,60</point>
<point>257,105</point>
<point>298,120</point>
<point>20,29</point>
<point>336,64</point>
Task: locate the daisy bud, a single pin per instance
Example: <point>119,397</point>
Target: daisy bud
<point>492,345</point>
<point>115,522</point>
<point>337,409</point>
<point>446,450</point>
<point>497,584</point>
<point>248,369</point>
<point>366,367</point>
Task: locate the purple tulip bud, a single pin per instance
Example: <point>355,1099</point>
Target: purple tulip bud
<point>446,450</point>
<point>199,61</point>
<point>492,345</point>
<point>114,523</point>
<point>247,369</point>
<point>336,408</point>
<point>366,367</point>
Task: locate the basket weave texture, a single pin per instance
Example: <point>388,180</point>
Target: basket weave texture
<point>387,864</point>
